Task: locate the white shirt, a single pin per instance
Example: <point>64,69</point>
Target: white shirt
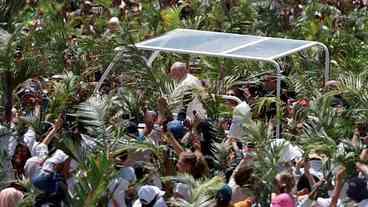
<point>241,115</point>
<point>363,203</point>
<point>33,167</point>
<point>288,151</point>
<point>37,149</point>
<point>183,190</point>
<point>118,187</point>
<point>193,85</point>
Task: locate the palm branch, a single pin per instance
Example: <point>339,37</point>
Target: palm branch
<point>93,179</point>
<point>92,115</point>
<point>171,18</point>
<point>328,132</point>
<point>202,191</point>
<point>131,145</point>
<point>221,155</point>
<point>267,157</point>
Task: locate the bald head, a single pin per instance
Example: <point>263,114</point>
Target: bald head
<point>150,117</point>
<point>178,71</point>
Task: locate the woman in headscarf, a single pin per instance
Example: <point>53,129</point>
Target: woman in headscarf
<point>10,197</point>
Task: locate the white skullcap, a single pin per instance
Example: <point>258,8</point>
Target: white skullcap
<point>179,65</point>
<point>58,157</point>
<point>331,83</point>
<point>323,202</point>
<point>232,98</point>
<point>114,20</point>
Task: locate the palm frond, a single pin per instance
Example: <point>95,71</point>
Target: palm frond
<point>202,191</point>
<point>126,145</point>
<point>221,155</point>
<point>93,180</point>
<point>268,152</point>
<point>171,18</point>
<point>92,115</point>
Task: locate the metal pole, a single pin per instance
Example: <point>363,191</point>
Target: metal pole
<point>278,94</point>
<point>327,61</point>
<point>152,58</point>
<point>107,71</point>
<point>149,62</point>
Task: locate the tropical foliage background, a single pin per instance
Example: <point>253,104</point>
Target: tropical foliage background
<point>37,41</point>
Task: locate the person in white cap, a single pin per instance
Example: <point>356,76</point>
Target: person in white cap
<point>241,115</point>
<point>150,196</point>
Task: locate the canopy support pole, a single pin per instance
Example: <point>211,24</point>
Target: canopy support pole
<point>107,71</point>
<point>327,61</point>
<point>278,94</point>
<point>116,58</point>
<point>152,58</point>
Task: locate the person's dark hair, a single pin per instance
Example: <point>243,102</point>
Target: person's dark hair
<point>120,159</point>
<point>303,183</point>
<point>140,170</point>
<point>242,175</point>
<point>357,189</point>
<point>18,165</point>
<point>17,186</point>
<point>236,91</point>
<point>132,128</point>
<point>284,182</point>
<point>199,167</point>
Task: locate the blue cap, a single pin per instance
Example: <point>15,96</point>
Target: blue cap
<point>224,194</point>
<point>177,128</point>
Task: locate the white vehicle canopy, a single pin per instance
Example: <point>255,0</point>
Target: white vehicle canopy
<point>227,45</point>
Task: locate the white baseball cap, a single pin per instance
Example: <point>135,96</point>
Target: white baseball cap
<point>147,193</point>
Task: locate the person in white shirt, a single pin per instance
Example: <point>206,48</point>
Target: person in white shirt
<point>187,85</point>
<point>242,115</point>
<point>39,150</point>
<point>120,185</point>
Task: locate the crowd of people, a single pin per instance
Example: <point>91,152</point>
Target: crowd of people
<point>186,131</point>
